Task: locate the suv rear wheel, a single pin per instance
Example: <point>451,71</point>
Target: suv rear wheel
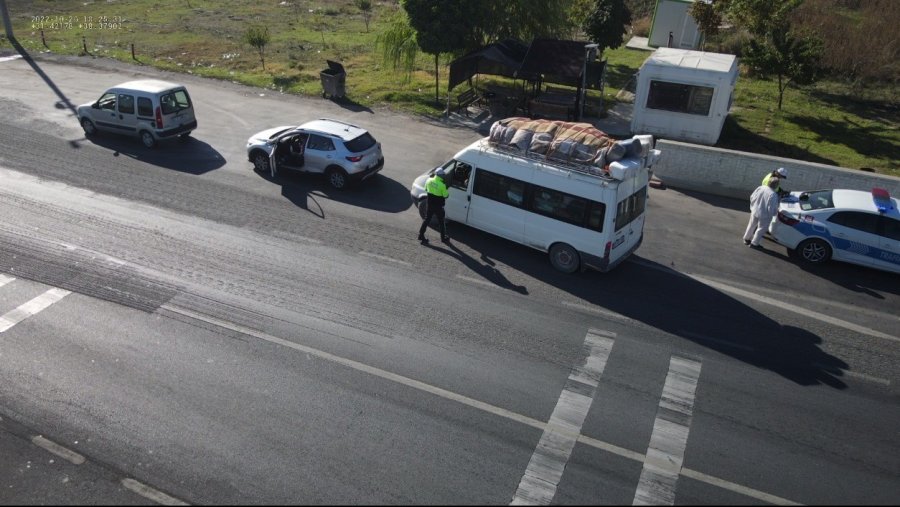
<point>337,177</point>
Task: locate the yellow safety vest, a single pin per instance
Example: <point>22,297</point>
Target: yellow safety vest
<point>435,186</point>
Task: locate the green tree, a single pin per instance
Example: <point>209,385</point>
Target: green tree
<point>398,44</point>
<point>790,57</point>
<point>607,23</point>
<point>258,38</point>
<point>708,17</point>
<point>758,16</point>
<point>366,7</point>
<point>440,26</point>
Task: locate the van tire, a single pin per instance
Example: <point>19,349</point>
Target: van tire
<point>184,137</point>
<point>147,139</point>
<point>564,258</point>
<point>337,177</point>
<point>89,128</point>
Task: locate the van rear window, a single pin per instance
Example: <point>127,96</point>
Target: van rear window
<point>361,143</point>
<point>174,101</point>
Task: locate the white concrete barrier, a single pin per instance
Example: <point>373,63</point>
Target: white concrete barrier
<point>732,173</point>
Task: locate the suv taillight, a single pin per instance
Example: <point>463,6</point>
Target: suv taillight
<point>786,219</point>
<point>356,158</point>
<point>159,123</point>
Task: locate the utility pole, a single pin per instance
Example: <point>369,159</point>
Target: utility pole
<point>7,23</point>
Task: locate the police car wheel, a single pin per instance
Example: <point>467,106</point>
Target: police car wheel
<point>564,258</point>
<point>814,251</point>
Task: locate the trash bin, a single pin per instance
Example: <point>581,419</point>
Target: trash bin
<point>333,80</point>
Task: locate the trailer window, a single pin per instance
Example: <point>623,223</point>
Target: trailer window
<point>680,98</point>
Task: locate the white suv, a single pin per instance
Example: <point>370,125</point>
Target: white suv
<point>343,152</point>
<point>845,225</point>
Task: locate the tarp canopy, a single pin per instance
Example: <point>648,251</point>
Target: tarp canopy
<point>499,59</point>
<point>548,60</point>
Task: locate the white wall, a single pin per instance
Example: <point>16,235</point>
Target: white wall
<point>732,173</point>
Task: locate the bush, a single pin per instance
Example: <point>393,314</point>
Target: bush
<point>641,27</point>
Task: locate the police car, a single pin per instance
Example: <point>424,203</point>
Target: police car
<point>845,225</point>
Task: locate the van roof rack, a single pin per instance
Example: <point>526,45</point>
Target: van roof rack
<point>587,169</point>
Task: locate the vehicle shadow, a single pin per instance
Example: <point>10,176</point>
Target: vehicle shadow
<point>191,156</point>
<point>662,298</point>
<point>378,193</point>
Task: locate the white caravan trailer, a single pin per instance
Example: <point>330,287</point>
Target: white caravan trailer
<point>581,217</point>
<point>684,95</point>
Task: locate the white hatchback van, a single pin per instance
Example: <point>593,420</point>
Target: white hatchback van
<point>148,108</point>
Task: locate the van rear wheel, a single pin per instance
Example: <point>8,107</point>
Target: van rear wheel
<point>147,139</point>
<point>564,258</point>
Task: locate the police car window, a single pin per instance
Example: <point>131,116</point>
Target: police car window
<point>865,222</point>
<point>891,228</point>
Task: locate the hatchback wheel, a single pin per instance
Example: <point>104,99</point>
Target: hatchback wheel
<point>88,126</point>
<point>147,139</point>
<point>814,251</point>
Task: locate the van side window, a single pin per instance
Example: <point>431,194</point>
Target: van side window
<point>559,205</point>
<point>108,101</point>
<point>126,104</point>
<point>460,174</point>
<point>320,143</point>
<point>596,216</point>
<point>499,188</point>
<point>145,107</point>
<point>631,208</point>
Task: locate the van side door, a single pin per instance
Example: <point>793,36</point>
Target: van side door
<point>497,205</point>
<point>127,117</point>
<point>105,117</point>
<point>456,207</point>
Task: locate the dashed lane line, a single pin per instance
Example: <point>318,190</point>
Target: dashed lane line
<point>64,453</point>
<point>385,258</point>
<point>151,493</point>
<point>470,402</point>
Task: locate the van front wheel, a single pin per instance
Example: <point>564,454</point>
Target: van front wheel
<point>564,258</point>
<point>147,139</point>
<point>88,126</point>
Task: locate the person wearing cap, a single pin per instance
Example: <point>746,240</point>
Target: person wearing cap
<point>781,174</point>
<point>437,194</point>
<point>763,208</point>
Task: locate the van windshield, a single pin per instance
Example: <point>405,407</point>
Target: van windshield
<point>175,101</point>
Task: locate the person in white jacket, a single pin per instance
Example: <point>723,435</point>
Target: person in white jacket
<point>763,208</point>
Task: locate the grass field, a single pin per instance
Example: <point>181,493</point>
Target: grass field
<point>205,37</point>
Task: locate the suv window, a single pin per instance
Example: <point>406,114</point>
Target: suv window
<point>865,222</point>
<point>145,107</point>
<point>361,143</point>
<point>126,104</point>
<point>320,143</point>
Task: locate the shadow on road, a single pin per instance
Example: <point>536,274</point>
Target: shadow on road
<point>191,155</point>
<point>63,101</point>
<point>378,193</point>
<point>662,298</point>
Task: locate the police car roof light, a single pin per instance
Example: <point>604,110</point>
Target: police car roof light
<point>882,200</point>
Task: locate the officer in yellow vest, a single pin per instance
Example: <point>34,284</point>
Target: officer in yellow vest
<point>437,194</point>
<point>781,174</point>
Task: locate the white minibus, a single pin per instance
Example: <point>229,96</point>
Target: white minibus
<point>582,218</point>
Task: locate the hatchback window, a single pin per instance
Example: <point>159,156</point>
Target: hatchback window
<point>865,222</point>
<point>174,102</point>
<point>361,143</point>
<point>320,143</point>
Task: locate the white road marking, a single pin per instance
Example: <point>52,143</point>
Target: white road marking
<point>862,376</point>
<point>470,402</point>
<point>665,454</point>
<point>13,317</point>
<point>151,493</point>
<point>545,469</point>
<point>66,454</point>
<point>385,258</point>
<point>4,279</point>
<point>9,58</point>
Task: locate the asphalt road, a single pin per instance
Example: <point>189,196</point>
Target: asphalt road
<point>204,334</point>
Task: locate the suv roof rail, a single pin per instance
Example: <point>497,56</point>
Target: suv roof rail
<point>341,122</point>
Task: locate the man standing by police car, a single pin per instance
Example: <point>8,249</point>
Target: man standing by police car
<point>437,194</point>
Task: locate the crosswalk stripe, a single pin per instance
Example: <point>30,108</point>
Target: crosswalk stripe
<point>665,454</point>
<point>32,307</point>
<point>547,464</point>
